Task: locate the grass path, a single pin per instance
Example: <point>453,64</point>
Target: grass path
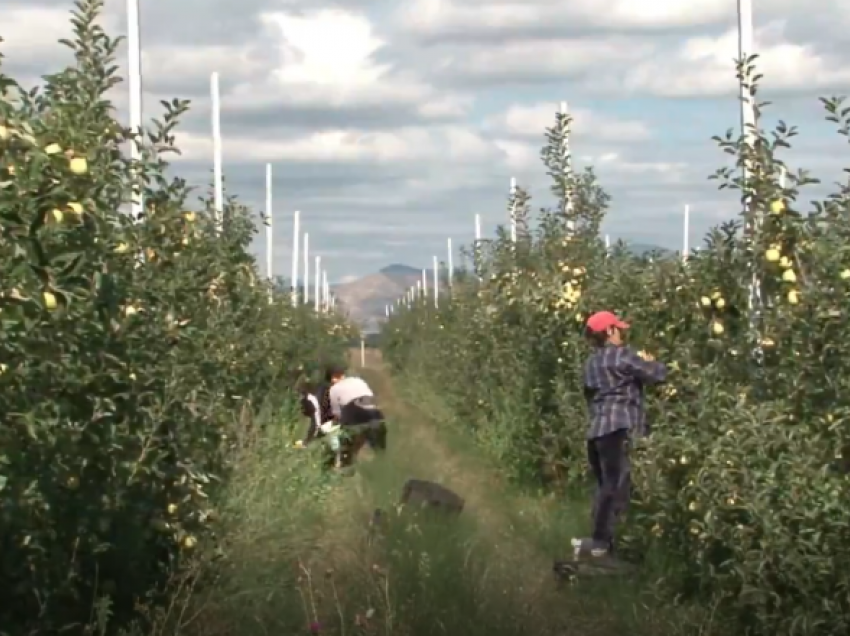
<point>511,539</point>
<point>488,572</point>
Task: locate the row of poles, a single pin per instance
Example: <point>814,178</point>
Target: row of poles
<point>746,49</point>
<point>420,289</point>
<point>323,299</point>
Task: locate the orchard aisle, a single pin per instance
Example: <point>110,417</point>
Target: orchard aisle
<point>301,557</point>
<point>501,553</point>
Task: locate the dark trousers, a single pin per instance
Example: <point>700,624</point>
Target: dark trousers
<point>358,412</point>
<point>609,460</point>
<point>366,422</point>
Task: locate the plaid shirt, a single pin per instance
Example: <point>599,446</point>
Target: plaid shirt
<point>613,385</point>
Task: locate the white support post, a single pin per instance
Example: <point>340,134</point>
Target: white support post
<point>451,267</point>
<point>316,291</point>
<point>218,177</point>
<point>567,163</point>
<point>513,209</point>
<point>306,268</point>
<point>476,252</point>
<point>746,48</point>
<point>436,283</point>
<point>134,77</point>
<point>269,224</point>
<point>296,239</point>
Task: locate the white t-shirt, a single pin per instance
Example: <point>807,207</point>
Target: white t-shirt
<point>347,390</point>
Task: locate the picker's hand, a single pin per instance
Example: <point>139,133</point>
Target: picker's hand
<point>645,355</point>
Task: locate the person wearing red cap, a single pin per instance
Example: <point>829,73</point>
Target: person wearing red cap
<point>614,377</point>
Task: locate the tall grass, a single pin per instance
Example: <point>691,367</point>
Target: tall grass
<point>299,555</point>
<point>544,517</point>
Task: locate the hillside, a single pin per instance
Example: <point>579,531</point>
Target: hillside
<point>365,299</point>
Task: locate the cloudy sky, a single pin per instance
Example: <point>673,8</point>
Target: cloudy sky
<point>391,124</point>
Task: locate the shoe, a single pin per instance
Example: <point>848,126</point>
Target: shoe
<point>596,549</point>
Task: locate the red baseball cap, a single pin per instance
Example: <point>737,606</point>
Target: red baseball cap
<point>604,320</point>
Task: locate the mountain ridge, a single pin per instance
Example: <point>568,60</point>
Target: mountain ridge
<point>398,269</point>
<point>365,299</point>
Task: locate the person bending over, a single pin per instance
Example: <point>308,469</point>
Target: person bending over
<point>315,406</point>
<point>353,405</point>
<point>614,380</point>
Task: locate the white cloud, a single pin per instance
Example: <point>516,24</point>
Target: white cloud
<point>531,60</point>
<point>184,61</point>
<point>388,138</point>
<point>328,48</point>
<point>410,145</point>
<point>524,158</point>
<point>703,66</point>
<point>531,120</point>
<point>631,47</point>
<point>519,155</point>
<point>328,57</point>
<point>615,163</point>
<point>32,31</point>
<point>508,20</point>
<point>598,138</point>
<point>436,18</point>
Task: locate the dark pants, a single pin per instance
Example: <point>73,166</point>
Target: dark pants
<point>609,460</point>
<point>360,411</point>
<point>366,423</point>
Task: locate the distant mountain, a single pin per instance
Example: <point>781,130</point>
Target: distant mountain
<point>366,298</point>
<point>400,270</point>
